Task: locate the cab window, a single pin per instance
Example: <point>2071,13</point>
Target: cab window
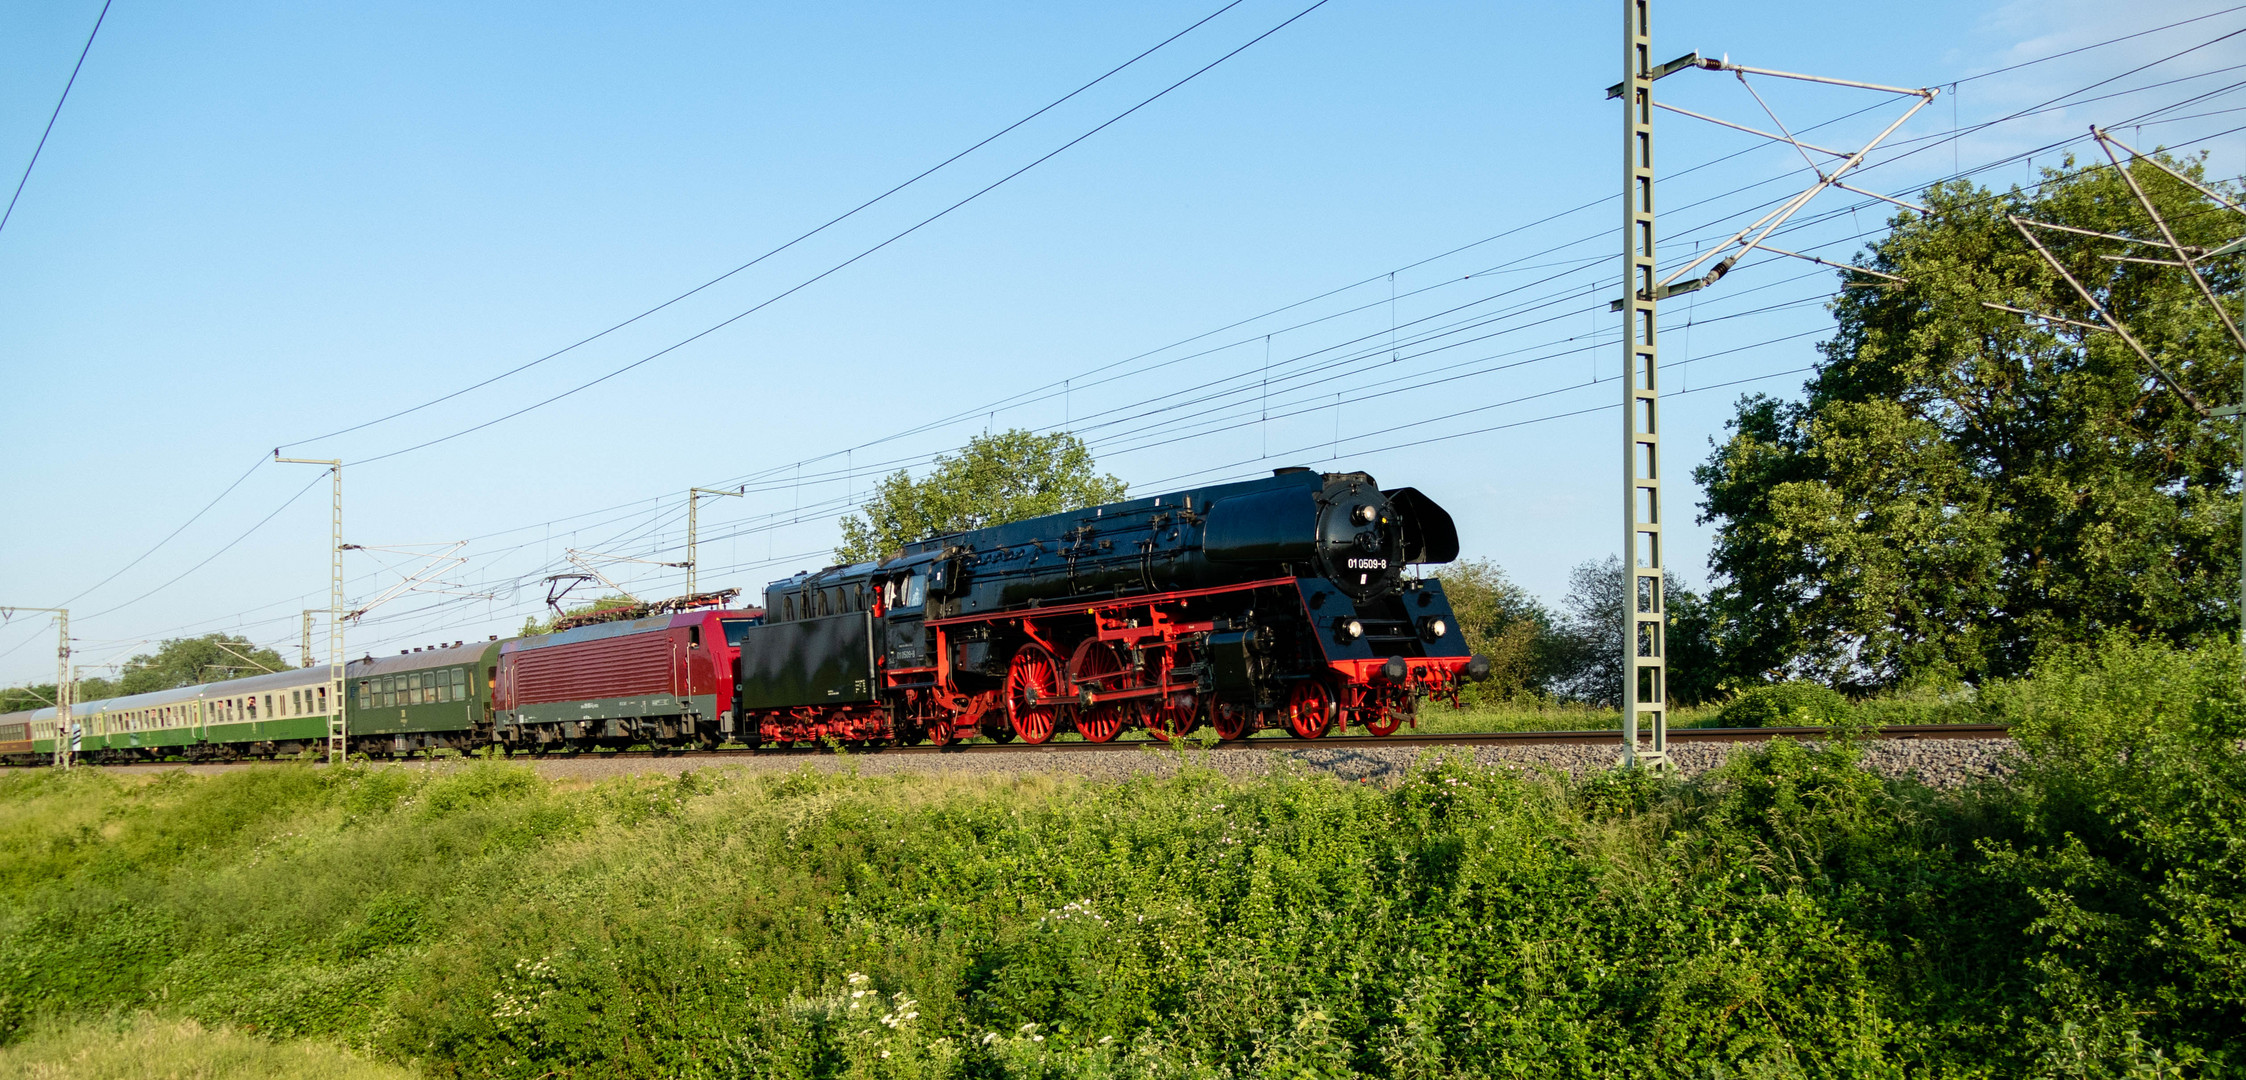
<point>916,591</point>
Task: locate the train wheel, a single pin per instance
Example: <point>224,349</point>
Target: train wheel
<point>1310,709</point>
<point>940,731</point>
<point>1033,694</point>
<point>1384,717</point>
<point>1233,719</point>
<point>987,716</point>
<point>1101,724</point>
<point>1098,665</point>
<point>1178,715</point>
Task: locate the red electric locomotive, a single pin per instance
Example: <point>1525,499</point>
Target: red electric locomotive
<point>666,679</point>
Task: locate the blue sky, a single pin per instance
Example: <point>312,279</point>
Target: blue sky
<point>256,224</point>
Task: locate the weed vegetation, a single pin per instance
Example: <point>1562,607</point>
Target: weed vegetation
<point>145,1047</point>
<point>1793,915</point>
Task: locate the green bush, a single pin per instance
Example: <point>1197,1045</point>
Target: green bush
<point>1786,704</point>
<point>1790,914</point>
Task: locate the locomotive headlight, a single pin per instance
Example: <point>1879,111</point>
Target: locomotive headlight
<point>1364,515</point>
<point>1348,629</point>
<point>1433,629</point>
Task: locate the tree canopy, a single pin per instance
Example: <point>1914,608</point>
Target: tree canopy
<point>1964,485</point>
<point>188,661</point>
<point>994,479</point>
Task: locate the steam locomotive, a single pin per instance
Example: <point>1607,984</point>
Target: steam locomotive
<point>1281,602</point>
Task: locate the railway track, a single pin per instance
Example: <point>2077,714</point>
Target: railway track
<point>1686,736</point>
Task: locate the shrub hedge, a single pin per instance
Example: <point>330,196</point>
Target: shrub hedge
<point>1789,915</point>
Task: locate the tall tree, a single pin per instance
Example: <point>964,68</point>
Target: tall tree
<point>994,479</point>
<point>1503,623</point>
<point>1961,484</point>
<point>188,661</point>
<point>1586,650</point>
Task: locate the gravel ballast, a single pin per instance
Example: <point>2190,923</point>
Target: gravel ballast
<point>1942,763</point>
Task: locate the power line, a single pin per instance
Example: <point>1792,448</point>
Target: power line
<point>657,523</point>
<point>830,223</point>
<point>198,516</point>
<point>213,555</point>
<point>838,267</point>
<point>1029,396</point>
<point>50,129</point>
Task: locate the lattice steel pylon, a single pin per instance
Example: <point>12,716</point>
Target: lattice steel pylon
<point>1645,667</point>
<point>338,745</point>
<point>1645,618</point>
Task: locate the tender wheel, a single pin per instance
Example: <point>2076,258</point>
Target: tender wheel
<point>1034,698</point>
<point>1233,719</point>
<point>1310,709</point>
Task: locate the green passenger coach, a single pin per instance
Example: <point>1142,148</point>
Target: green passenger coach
<point>285,712</point>
<point>423,699</point>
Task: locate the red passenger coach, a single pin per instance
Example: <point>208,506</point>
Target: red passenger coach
<point>665,678</point>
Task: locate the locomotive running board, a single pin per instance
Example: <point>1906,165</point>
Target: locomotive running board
<point>1093,606</point>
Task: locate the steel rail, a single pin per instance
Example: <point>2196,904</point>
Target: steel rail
<point>1432,740</point>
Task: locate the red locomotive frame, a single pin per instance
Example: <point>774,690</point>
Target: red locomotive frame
<point>1101,667</point>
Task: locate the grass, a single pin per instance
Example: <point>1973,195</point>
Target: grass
<point>1789,915</point>
<point>145,1047</point>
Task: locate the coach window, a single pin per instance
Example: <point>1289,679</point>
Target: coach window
<point>323,699</point>
<point>366,694</point>
<point>252,709</point>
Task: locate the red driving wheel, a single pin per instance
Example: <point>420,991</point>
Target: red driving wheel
<point>1177,715</point>
<point>1033,694</point>
<point>1310,709</point>
<point>1100,667</point>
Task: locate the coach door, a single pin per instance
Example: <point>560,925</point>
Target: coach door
<point>905,605</point>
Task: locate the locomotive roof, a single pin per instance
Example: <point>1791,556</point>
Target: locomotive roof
<point>1054,524</point>
<point>473,652</point>
<point>623,628</point>
<point>292,678</point>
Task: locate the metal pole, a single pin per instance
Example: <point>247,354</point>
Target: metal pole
<point>2183,255</point>
<point>693,560</point>
<point>65,736</point>
<point>1644,618</point>
<point>338,748</point>
<point>304,648</point>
